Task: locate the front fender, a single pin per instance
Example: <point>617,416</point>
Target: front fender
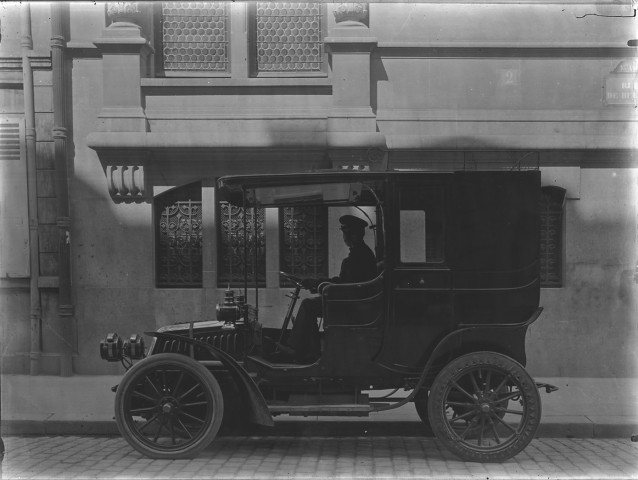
<point>258,409</point>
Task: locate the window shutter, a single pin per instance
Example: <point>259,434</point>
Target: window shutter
<point>10,140</point>
<point>14,202</point>
<point>551,236</point>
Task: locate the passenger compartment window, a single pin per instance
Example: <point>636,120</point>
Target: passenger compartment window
<point>421,229</point>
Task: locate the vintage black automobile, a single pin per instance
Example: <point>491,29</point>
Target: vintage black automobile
<point>443,323</point>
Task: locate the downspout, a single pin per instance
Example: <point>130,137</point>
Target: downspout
<point>26,44</point>
<point>60,120</point>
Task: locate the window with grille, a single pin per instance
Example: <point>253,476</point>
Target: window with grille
<point>178,234</point>
<point>241,246</point>
<point>194,38</point>
<point>551,236</point>
<point>287,38</point>
<point>303,233</point>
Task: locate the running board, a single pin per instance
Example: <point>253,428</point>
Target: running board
<point>343,410</point>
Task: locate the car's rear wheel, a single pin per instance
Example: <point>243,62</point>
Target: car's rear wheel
<point>169,406</point>
<point>484,407</point>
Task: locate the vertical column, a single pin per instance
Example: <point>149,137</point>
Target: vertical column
<point>350,46</point>
<point>26,44</point>
<point>59,26</point>
<point>125,52</point>
<point>353,138</point>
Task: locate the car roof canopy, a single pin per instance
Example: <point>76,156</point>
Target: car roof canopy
<point>325,188</point>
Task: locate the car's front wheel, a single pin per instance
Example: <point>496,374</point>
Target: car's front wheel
<point>169,406</point>
<point>484,407</point>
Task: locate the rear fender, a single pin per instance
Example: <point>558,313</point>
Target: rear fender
<point>472,338</point>
<point>449,345</point>
<point>258,409</point>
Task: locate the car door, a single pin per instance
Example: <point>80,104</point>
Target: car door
<point>420,279</point>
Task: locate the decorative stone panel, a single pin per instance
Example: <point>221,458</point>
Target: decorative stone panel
<point>352,14</point>
<point>123,11</point>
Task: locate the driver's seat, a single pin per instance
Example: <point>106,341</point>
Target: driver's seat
<point>353,304</point>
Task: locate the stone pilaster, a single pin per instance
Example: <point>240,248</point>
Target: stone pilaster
<point>126,56</point>
<point>355,142</point>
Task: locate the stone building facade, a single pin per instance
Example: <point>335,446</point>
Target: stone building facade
<point>118,117</point>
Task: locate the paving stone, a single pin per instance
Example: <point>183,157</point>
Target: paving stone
<point>315,457</point>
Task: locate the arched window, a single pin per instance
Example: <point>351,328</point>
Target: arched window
<point>551,236</point>
<point>178,237</point>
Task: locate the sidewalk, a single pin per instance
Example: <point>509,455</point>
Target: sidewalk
<point>83,405</point>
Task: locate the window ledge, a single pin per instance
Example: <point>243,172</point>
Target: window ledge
<point>174,82</point>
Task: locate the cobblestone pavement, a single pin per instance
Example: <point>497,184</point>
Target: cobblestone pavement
<point>314,457</point>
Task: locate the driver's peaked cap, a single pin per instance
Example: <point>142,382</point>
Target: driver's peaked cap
<point>352,223</point>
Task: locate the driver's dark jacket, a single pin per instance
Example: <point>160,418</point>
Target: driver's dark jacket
<point>359,266</point>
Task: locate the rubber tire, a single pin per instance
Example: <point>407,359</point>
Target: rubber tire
<point>203,376</point>
<point>436,407</point>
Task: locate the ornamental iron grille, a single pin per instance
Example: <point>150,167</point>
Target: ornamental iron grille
<point>234,262</point>
<point>288,37</point>
<point>195,36</point>
<point>551,236</point>
<point>179,237</point>
<point>304,245</point>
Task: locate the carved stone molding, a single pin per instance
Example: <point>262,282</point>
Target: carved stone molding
<point>352,14</point>
<point>126,183</point>
<point>123,11</point>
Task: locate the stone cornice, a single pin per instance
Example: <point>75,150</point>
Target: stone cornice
<point>149,141</point>
<point>350,44</point>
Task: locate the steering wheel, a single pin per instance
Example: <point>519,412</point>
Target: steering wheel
<point>296,280</point>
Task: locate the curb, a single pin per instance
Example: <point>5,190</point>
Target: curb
<point>328,428</point>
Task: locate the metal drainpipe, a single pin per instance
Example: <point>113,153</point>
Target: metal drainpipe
<point>60,119</point>
<point>26,44</point>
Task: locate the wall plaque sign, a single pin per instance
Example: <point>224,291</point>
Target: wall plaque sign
<point>621,91</point>
<point>621,86</point>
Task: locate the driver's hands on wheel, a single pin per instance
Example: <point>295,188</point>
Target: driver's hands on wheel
<point>310,284</point>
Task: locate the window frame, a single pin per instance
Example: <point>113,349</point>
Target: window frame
<point>442,191</point>
<point>253,72</point>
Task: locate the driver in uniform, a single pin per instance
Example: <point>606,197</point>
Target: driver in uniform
<point>359,266</point>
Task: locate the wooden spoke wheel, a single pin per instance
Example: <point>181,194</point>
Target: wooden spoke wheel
<point>169,406</point>
<point>484,407</point>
